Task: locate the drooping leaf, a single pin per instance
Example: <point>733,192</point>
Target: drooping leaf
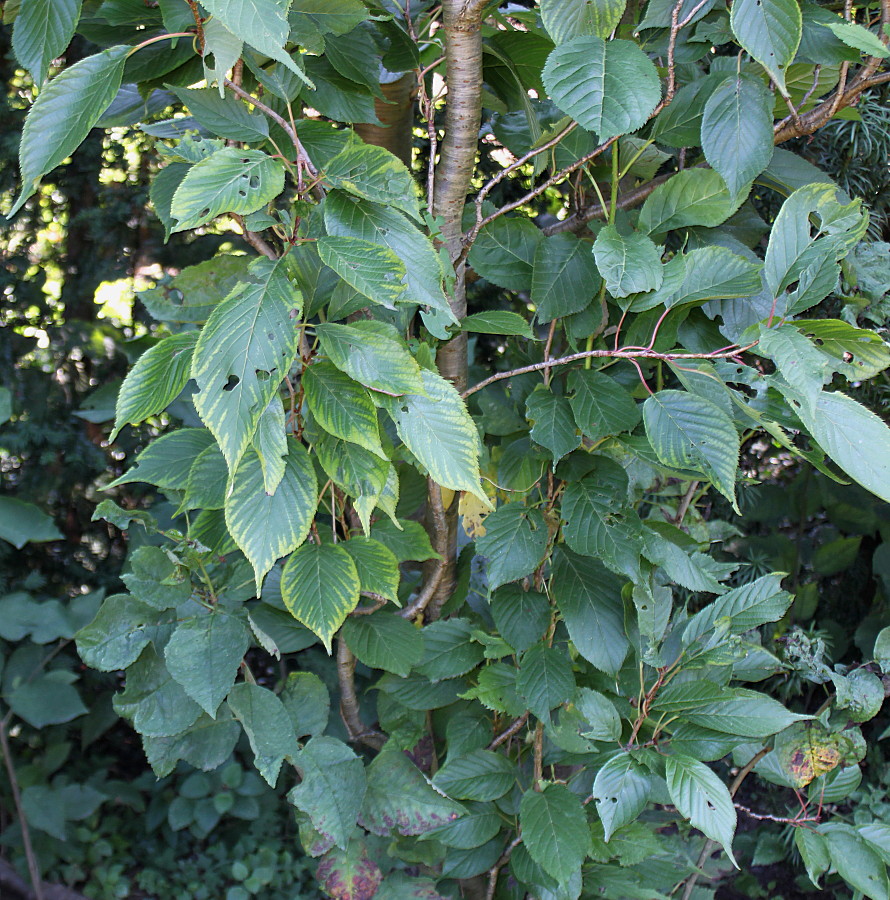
<point>377,566</point>
<point>691,197</point>
<point>206,744</point>
<point>226,117</point>
<point>41,33</point>
<point>349,873</point>
<point>228,181</point>
<point>737,130</point>
<point>121,630</point>
<point>703,798</point>
<point>497,322</point>
<point>545,679</point>
<point>320,587</point>
<point>373,270</point>
<point>384,641</point>
<point>267,528</point>
<point>167,462</point>
<point>521,616</point>
<point>795,356</point>
<point>609,88</point>
<point>853,35</point>
<point>856,860</point>
<point>554,425</point>
<point>270,445</point>
<point>449,649</point>
<point>770,31</point>
<point>554,830</point>
<point>244,352</point>
<point>514,542</point>
<point>621,791</point>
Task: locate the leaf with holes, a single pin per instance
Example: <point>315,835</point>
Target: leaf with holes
<point>621,791</point>
<point>230,181</point>
<point>770,31</point>
<point>267,528</point>
<point>703,798</point>
<point>608,88</point>
<point>320,587</point>
<point>688,432</point>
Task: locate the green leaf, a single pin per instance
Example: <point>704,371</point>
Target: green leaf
<point>23,523</point>
<point>63,114</point>
<point>270,444</point>
<point>349,874</point>
<point>477,827</point>
<point>156,580</point>
<point>737,130</point>
<point>155,381</point>
<point>347,216</point>
<point>567,19</point>
<point>497,322</point>
<point>799,361</point>
<point>712,273</point>
<point>479,775</point>
<point>46,699</point>
<point>856,861</point>
<point>742,608</point>
<point>850,33</point>
<point>691,197</point>
<point>378,568</point>
<point>41,33</point>
<point>688,432</point>
<point>167,461</point>
<point>401,799</point>
<point>332,788</point>
<point>521,616</point>
<point>384,641</point>
<point>679,125</point>
<point>267,725</point>
<point>608,88</point>
<point>703,798</point>
<point>206,744</point>
<point>226,117</point>
<point>545,680</point>
<point>598,526</point>
<point>341,406</point>
<point>854,437</point>
<point>514,542</point>
<point>554,426</point>
<point>244,352</point>
<point>449,649</point>
<point>122,629</point>
<point>565,278</point>
<point>223,48</point>
<point>307,702</point>
<point>373,270</point>
<point>554,830</point>
<point>589,599</point>
<point>630,264</point>
<point>407,540</point>
<point>813,851</point>
<point>854,352</point>
<point>320,587</point>
<point>621,791</point>
<point>372,356</point>
<point>229,181</point>
<point>504,252</point>
<point>204,654</point>
<point>600,714</point>
<point>770,31</point>
<point>208,477</point>
<point>262,24</point>
<point>600,405</point>
<point>691,571</point>
<point>436,427</point>
<point>373,173</point>
<point>267,528</point>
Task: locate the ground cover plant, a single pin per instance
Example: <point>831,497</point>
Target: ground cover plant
<point>494,447</point>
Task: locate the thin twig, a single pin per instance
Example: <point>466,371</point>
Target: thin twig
<point>33,867</point>
<point>507,733</point>
<point>538,756</point>
<point>612,354</point>
<point>683,508</point>
<point>255,241</point>
<point>496,868</point>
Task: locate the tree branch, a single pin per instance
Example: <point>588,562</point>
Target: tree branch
<point>349,710</point>
<point>439,526</point>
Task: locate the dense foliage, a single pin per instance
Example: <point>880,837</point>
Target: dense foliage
<point>495,470</point>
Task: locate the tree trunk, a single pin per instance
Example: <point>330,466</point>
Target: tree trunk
<point>397,115</point>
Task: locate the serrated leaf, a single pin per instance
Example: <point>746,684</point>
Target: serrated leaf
<point>349,874</point>
<point>449,649</point>
<point>155,381</point>
<point>208,477</point>
<point>332,788</point>
<point>226,117</point>
<point>267,528</point>
<point>609,88</point>
<point>856,353</point>
<point>63,114</point>
<point>554,425</point>
<point>166,462</point>
<point>545,680</point>
<point>497,322</point>
<point>630,264</point>
<point>602,722</point>
<point>371,356</point>
<point>554,830</point>
<point>691,197</point>
<point>121,630</point>
<point>514,542</point>
<point>856,861</point>
<point>373,270</point>
<point>813,851</point>
<point>621,791</point>
<point>521,616</point>
<point>770,31</point>
<point>229,181</point>
<point>378,568</point>
<point>270,444</point>
<point>320,587</point>
<point>589,598</point>
<point>244,352</point>
<point>436,427</point>
<point>703,798</point>
<point>341,406</point>
<point>852,35</point>
<point>737,130</point>
<point>223,47</point>
<point>795,356</point>
<point>203,655</point>
<point>565,277</point>
<point>479,775</point>
<point>384,641</point>
<point>566,19</point>
<point>267,725</point>
<point>22,523</point>
<point>600,405</point>
<point>206,744</point>
<point>504,252</point>
<point>373,173</point>
<point>41,33</point>
<point>688,432</point>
